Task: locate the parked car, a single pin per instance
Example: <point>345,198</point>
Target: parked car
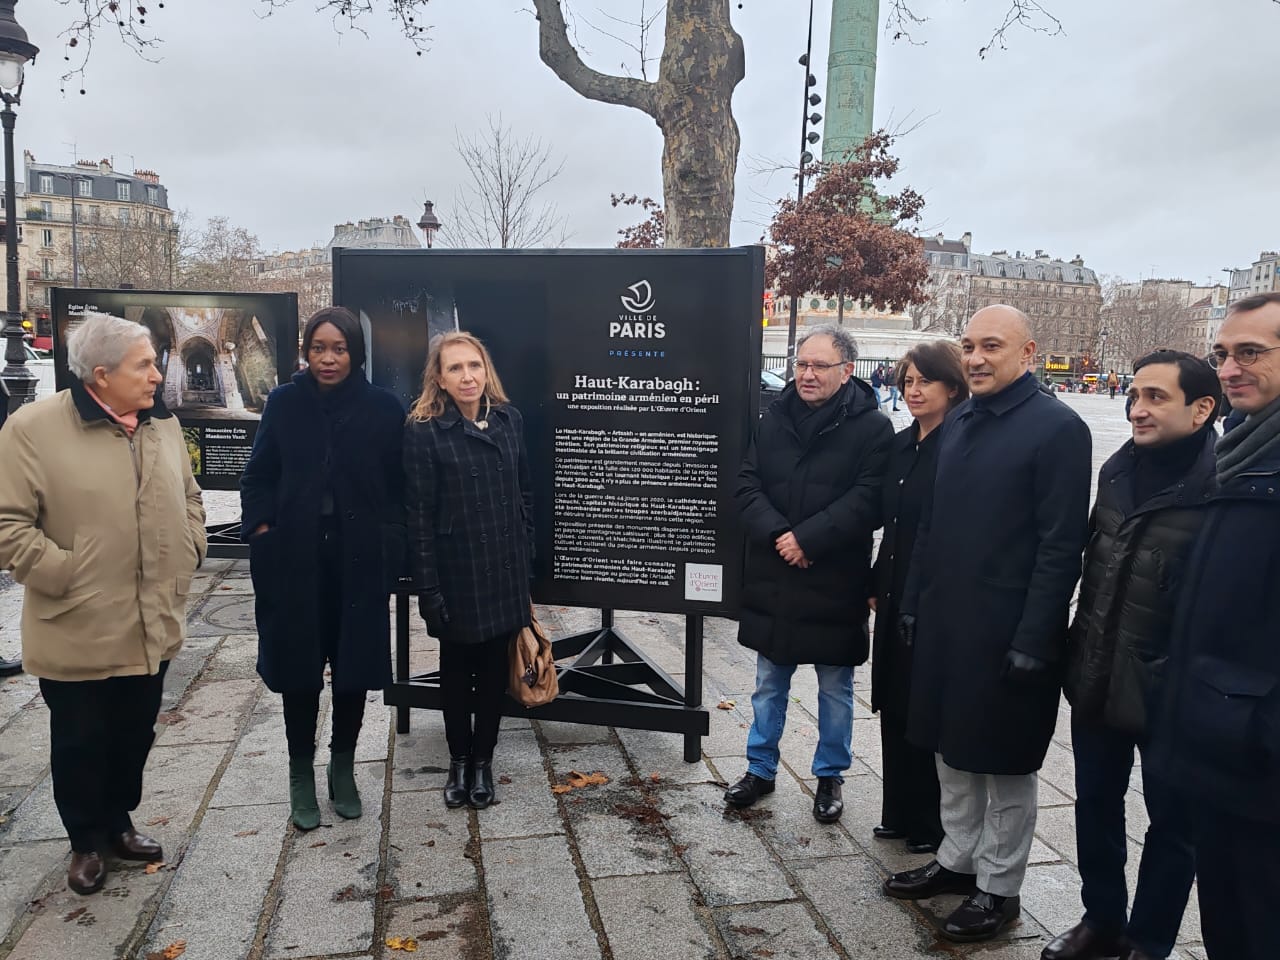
<point>771,386</point>
<point>41,364</point>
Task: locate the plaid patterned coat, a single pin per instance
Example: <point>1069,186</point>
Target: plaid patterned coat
<point>470,512</point>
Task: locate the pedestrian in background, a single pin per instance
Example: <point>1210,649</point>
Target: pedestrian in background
<point>892,377</point>
<point>470,504</point>
<point>877,383</point>
<point>101,521</point>
<point>994,568</point>
<point>932,383</point>
<point>322,509</point>
<point>809,491</point>
<point>1152,498</point>
<point>1218,738</point>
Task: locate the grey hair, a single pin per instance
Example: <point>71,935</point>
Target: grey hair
<point>841,337</point>
<point>101,340</point>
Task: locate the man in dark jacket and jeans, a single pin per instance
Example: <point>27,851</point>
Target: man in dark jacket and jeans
<point>810,497</point>
<point>1218,737</point>
<point>1152,498</point>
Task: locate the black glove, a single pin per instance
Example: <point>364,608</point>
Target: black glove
<point>431,606</point>
<point>907,629</point>
<point>1023,668</point>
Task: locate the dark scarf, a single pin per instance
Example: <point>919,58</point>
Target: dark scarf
<point>1158,468</point>
<point>335,405</point>
<point>1254,440</point>
<point>810,421</point>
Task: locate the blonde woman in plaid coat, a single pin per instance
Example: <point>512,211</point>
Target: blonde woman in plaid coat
<point>467,490</point>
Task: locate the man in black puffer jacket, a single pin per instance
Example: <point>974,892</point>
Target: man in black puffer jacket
<point>1152,499</point>
<point>810,498</point>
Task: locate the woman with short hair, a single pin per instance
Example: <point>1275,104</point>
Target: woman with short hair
<point>931,380</point>
<point>323,512</point>
<point>101,521</point>
<point>470,507</point>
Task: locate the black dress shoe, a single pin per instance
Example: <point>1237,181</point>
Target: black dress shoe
<point>10,667</point>
<point>1083,942</point>
<point>458,786</point>
<point>828,803</point>
<point>922,846</point>
<point>881,832</point>
<point>87,873</point>
<point>748,790</point>
<point>481,793</point>
<point>131,845</point>
<point>981,917</point>
<point>928,881</point>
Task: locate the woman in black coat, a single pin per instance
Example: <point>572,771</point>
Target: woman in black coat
<point>931,381</point>
<point>323,511</point>
<point>470,536</point>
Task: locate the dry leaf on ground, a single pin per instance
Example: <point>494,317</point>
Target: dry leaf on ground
<point>726,704</point>
<point>172,951</point>
<point>158,822</point>
<point>576,781</point>
<point>156,868</point>
<point>407,944</point>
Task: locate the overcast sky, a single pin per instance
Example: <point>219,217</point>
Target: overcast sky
<point>1143,138</point>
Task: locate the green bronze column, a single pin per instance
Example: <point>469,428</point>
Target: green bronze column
<point>851,76</point>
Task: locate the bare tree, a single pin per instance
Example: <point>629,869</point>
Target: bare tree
<point>903,21</point>
<point>146,254</point>
<point>1140,317</point>
<point>502,204</point>
<point>219,258</point>
<point>946,309</point>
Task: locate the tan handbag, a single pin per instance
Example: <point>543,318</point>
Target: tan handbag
<point>533,679</point>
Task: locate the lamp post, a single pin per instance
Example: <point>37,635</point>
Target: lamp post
<point>15,51</point>
<point>807,138</point>
<point>1102,351</point>
<point>428,223</point>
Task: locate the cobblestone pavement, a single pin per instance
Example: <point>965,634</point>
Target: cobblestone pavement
<point>648,864</point>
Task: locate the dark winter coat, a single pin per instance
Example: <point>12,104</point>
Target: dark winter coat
<point>470,505</point>
<point>827,493</point>
<point>908,485</point>
<point>997,558</point>
<point>1218,736</point>
<point>345,444</point>
<point>1134,570</point>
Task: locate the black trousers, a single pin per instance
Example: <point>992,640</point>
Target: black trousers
<point>301,708</point>
<point>910,799</point>
<point>100,733</point>
<point>1238,883</point>
<point>1103,760</point>
<point>473,680</point>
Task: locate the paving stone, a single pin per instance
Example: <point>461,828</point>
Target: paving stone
<point>727,861</point>
<point>535,906</point>
<point>35,818</point>
<point>221,615</point>
<point>231,861</point>
<point>428,846</point>
<point>1051,895</point>
<point>784,931</point>
<point>372,742</point>
<point>23,870</point>
<point>791,831</point>
<point>526,806</point>
<point>174,788</point>
<point>259,769</point>
<point>445,927</point>
<point>329,891</point>
<point>236,659</point>
<point>211,713</point>
<point>653,751</point>
<point>556,732</point>
<point>186,666</point>
<point>421,757</point>
<point>24,748</point>
<point>652,916</point>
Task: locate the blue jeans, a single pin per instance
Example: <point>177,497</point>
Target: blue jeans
<point>893,395</point>
<point>1104,758</point>
<point>835,718</point>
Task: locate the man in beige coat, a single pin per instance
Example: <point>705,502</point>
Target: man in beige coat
<point>102,522</point>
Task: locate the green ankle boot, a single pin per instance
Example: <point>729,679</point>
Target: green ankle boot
<point>304,809</point>
<point>342,785</point>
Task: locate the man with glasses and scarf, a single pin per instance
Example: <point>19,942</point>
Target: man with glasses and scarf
<point>1218,738</point>
<point>809,491</point>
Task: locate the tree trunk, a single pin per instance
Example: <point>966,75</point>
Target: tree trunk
<point>691,101</point>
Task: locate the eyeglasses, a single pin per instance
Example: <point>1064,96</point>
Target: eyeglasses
<point>1245,356</point>
<point>804,366</point>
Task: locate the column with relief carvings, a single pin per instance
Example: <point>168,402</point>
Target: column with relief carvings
<point>851,77</point>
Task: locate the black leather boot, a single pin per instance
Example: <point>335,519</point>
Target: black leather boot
<point>458,785</point>
<point>482,793</point>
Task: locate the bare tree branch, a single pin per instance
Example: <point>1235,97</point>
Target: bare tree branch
<point>903,21</point>
<point>501,206</point>
<point>643,24</point>
<point>558,53</point>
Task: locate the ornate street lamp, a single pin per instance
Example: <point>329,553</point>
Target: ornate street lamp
<point>429,223</point>
<point>15,51</point>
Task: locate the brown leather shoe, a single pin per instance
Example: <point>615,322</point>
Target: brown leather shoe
<point>1083,942</point>
<point>87,873</point>
<point>132,845</point>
